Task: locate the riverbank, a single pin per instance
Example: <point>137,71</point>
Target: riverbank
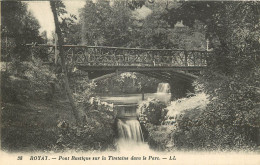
<point>49,126</point>
<point>32,126</point>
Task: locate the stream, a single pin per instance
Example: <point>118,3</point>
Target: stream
<point>128,126</point>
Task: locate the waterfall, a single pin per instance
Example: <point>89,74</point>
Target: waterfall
<point>130,137</point>
<point>130,130</point>
<point>163,88</point>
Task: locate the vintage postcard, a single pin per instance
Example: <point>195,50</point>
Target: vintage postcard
<point>130,82</point>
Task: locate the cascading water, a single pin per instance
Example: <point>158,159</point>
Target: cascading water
<point>163,88</point>
<point>130,130</point>
<point>130,136</point>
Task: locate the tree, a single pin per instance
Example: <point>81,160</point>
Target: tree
<point>73,34</point>
<point>18,28</point>
<point>232,77</point>
<point>149,31</point>
<point>220,19</point>
<point>105,24</point>
<point>58,8</point>
<point>120,24</point>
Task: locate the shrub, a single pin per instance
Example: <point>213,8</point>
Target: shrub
<point>229,121</point>
<point>159,136</point>
<point>96,134</point>
<point>152,111</point>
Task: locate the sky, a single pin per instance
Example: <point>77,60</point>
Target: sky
<point>42,11</point>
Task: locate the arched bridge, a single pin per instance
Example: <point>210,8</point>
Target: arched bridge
<point>177,67</point>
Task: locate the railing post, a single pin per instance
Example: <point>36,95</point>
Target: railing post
<point>201,57</point>
<point>117,73</point>
<point>56,50</point>
<point>32,49</point>
<point>87,56</point>
<point>185,58</point>
<point>207,57</point>
<point>194,58</point>
<point>153,59</point>
<point>73,56</point>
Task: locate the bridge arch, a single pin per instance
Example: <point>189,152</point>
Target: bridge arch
<point>180,82</point>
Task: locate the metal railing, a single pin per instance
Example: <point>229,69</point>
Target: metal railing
<point>120,56</point>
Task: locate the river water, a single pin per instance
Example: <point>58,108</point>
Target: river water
<point>127,99</point>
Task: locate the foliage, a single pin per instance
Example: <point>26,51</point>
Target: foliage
<point>28,88</point>
<point>147,84</point>
<point>152,111</point>
<point>207,131</point>
<point>89,138</point>
<point>152,116</point>
<point>41,77</point>
<point>127,83</point>
<point>104,23</point>
<point>135,4</point>
<point>58,10</point>
<point>73,34</point>
<point>18,28</point>
<point>149,31</point>
<point>69,27</point>
<point>33,81</point>
<point>181,106</point>
<point>82,90</point>
<point>154,32</point>
<point>115,24</point>
<point>80,85</point>
<point>233,24</point>
<point>97,133</point>
<point>159,138</point>
<point>232,77</point>
<point>232,121</point>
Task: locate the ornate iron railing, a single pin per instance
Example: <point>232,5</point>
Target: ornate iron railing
<point>118,56</point>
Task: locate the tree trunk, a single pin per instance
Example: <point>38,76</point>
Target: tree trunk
<point>64,69</point>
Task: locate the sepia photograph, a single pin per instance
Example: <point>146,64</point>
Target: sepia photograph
<point>130,82</point>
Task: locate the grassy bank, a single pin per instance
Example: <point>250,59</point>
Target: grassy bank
<point>32,125</point>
